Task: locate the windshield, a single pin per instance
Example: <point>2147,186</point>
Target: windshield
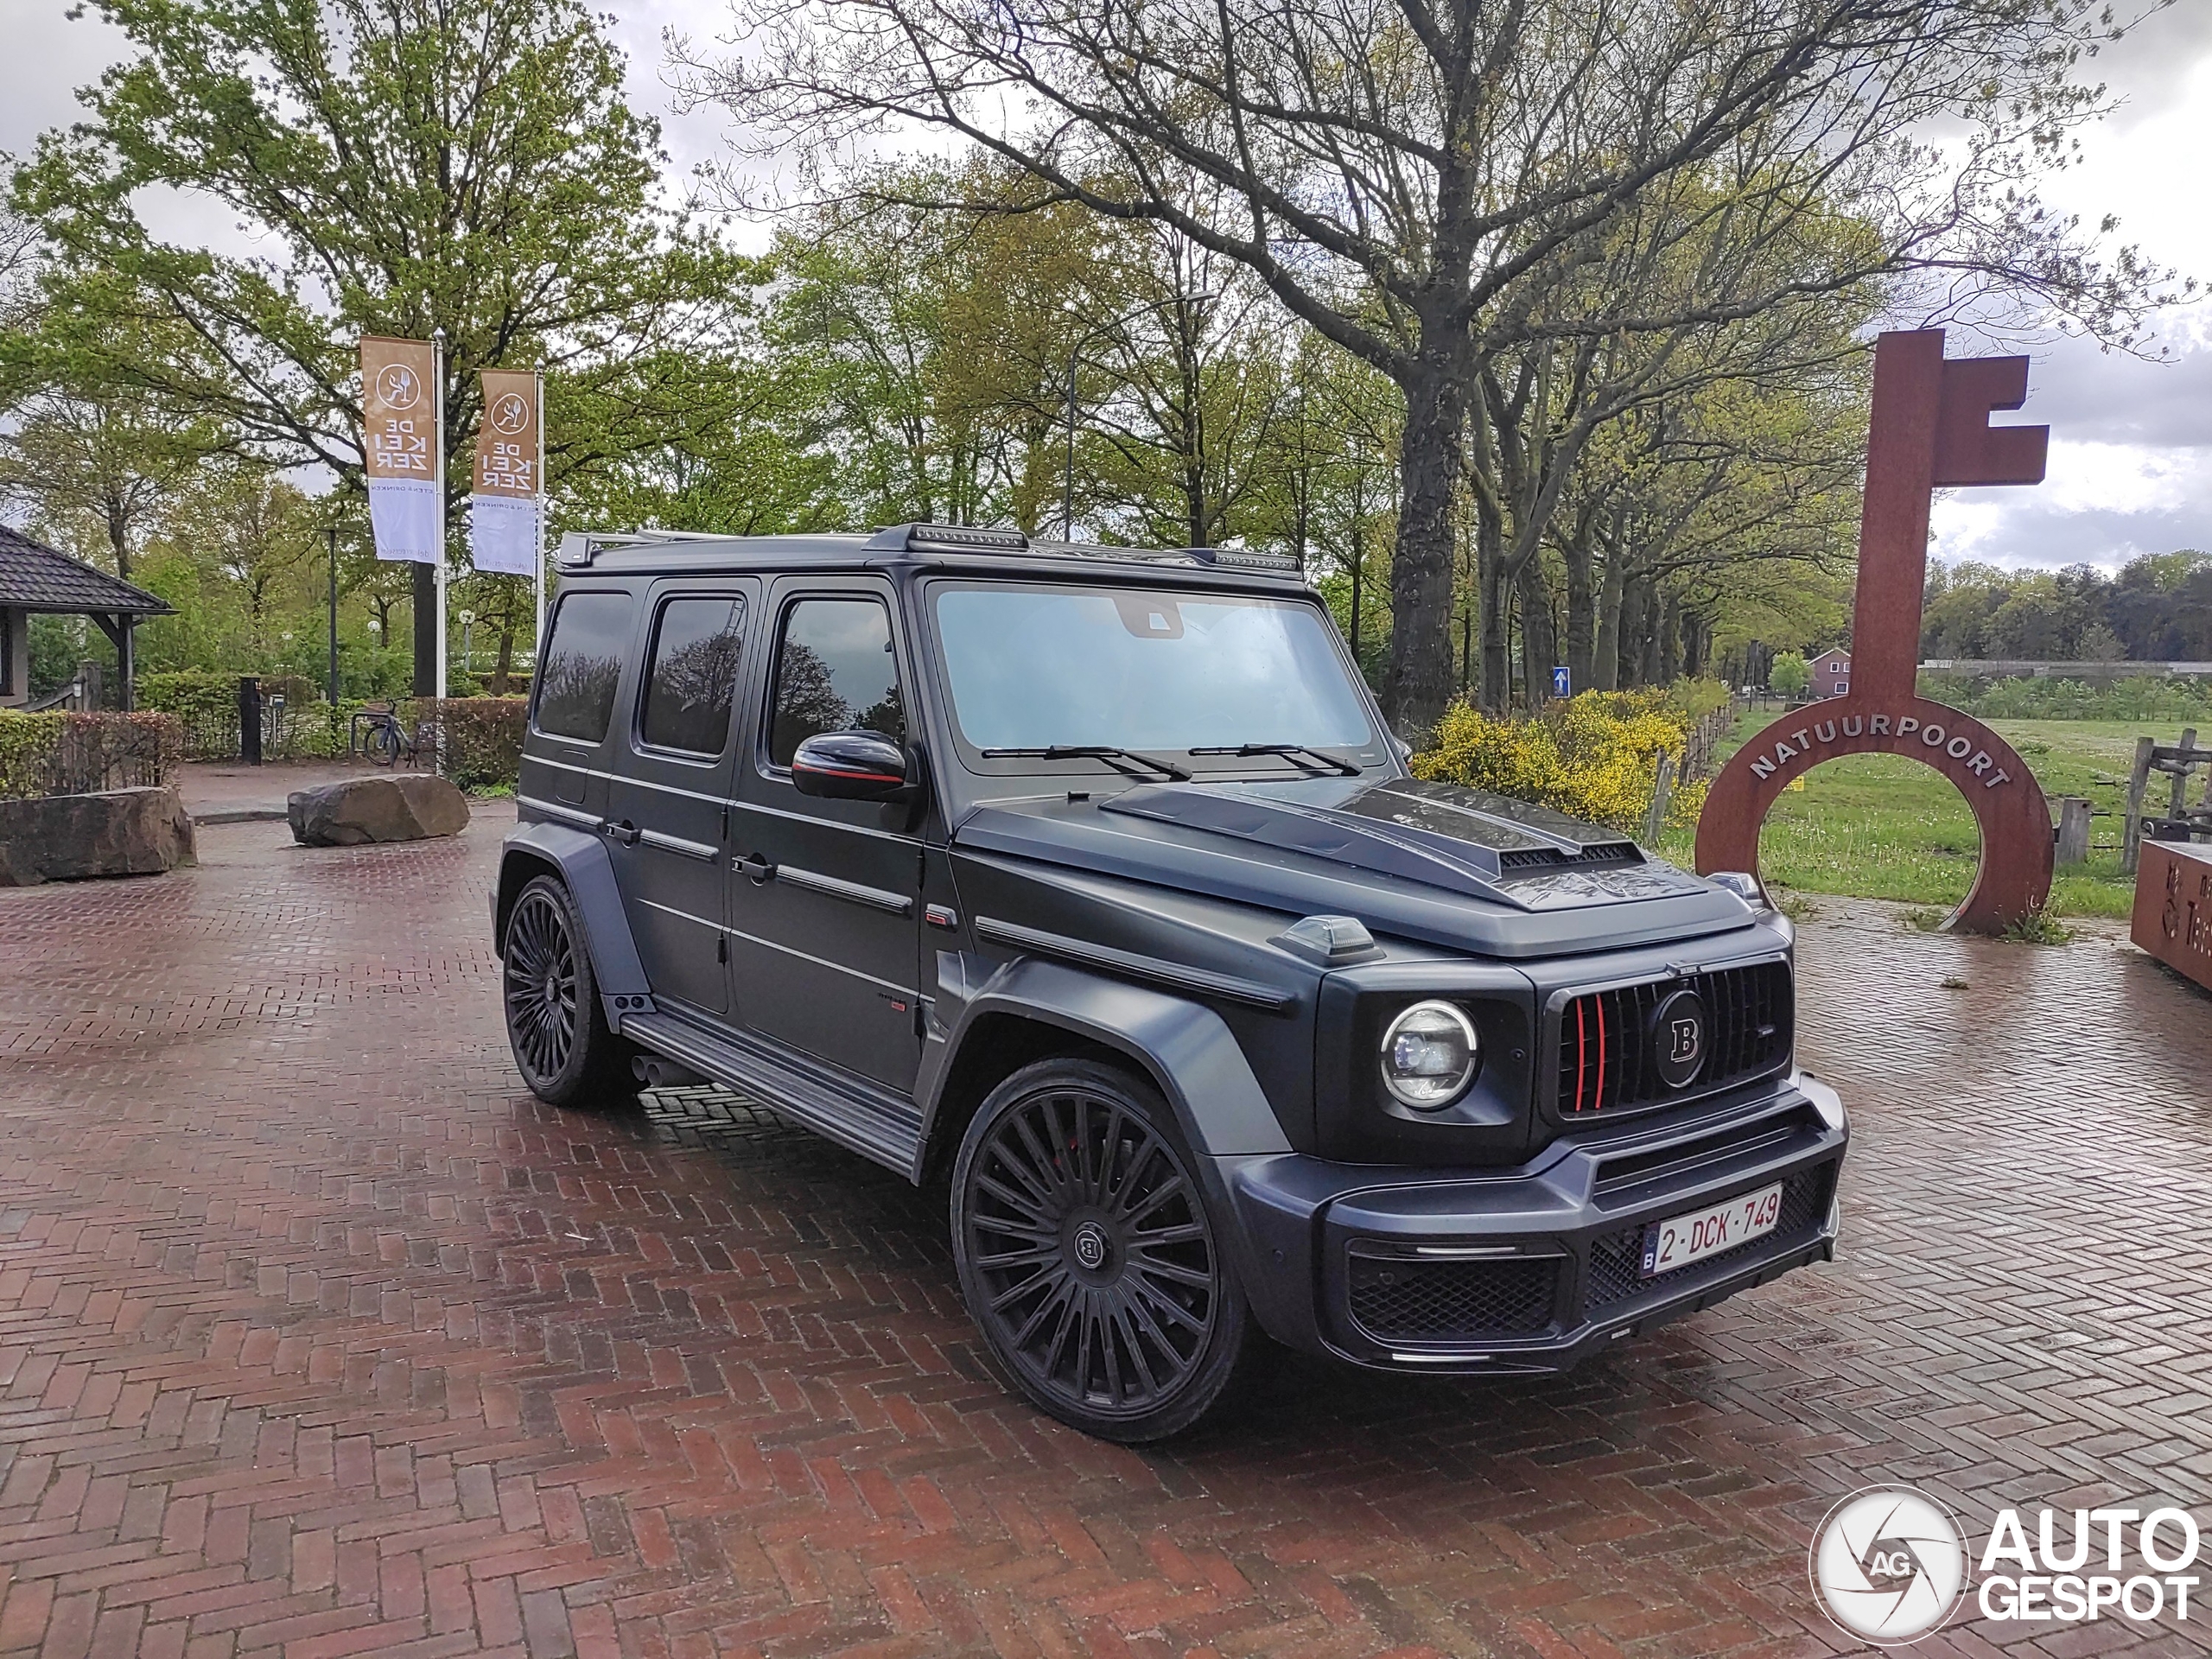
<point>1034,668</point>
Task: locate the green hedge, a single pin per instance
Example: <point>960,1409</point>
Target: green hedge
<point>82,754</point>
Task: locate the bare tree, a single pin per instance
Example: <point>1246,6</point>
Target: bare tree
<point>1410,177</point>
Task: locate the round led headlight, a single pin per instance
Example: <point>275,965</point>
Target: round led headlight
<point>1430,1054</point>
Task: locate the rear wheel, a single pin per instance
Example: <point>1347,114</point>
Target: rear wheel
<point>1087,1254</point>
<point>562,1045</point>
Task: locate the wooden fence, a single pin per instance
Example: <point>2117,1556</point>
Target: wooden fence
<point>2182,819</point>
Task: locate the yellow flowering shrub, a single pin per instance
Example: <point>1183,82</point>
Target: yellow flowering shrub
<point>1593,757</point>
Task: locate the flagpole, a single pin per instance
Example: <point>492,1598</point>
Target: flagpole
<point>438,472</point>
<point>537,635</point>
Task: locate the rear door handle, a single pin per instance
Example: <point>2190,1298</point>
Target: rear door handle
<point>754,866</point>
<point>625,832</point>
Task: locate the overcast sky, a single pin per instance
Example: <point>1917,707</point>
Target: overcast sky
<point>2131,454</point>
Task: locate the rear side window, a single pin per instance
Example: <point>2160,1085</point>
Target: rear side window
<point>834,673</point>
<point>583,661</point>
<point>693,673</point>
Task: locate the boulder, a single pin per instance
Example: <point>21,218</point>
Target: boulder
<point>407,807</point>
<point>77,837</point>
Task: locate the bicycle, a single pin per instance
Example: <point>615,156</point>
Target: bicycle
<point>385,740</point>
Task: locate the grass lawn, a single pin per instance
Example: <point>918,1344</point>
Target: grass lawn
<point>1878,826</point>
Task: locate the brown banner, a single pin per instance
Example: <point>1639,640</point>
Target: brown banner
<point>399,407</point>
<point>509,448</point>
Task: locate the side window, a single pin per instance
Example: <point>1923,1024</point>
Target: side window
<point>835,672</point>
<point>687,697</point>
<point>582,664</point>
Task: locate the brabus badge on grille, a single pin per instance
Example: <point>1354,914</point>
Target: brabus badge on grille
<point>1677,1039</point>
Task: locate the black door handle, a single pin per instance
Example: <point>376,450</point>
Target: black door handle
<point>625,832</point>
<point>757,868</point>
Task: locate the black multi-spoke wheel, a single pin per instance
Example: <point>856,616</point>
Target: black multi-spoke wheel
<point>559,1034</point>
<point>1086,1254</point>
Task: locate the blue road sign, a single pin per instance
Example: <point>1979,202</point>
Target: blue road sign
<point>1562,683</point>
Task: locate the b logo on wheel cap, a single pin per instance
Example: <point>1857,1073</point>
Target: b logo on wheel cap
<point>1090,1246</point>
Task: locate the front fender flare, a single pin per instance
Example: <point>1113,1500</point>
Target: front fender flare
<point>1190,1054</point>
<point>589,874</point>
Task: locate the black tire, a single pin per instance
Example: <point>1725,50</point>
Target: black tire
<point>1087,1256</point>
<point>381,745</point>
<point>563,1046</point>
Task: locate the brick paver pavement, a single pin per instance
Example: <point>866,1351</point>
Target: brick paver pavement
<point>317,1333</point>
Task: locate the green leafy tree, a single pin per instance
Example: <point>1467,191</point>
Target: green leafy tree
<point>1790,674</point>
<point>467,168</point>
<point>1425,186</point>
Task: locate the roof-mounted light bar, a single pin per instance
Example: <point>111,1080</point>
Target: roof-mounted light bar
<point>964,538</point>
<point>1244,558</point>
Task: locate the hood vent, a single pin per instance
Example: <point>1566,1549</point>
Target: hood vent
<point>1547,858</point>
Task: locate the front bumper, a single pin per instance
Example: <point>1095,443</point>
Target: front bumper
<point>1532,1269</point>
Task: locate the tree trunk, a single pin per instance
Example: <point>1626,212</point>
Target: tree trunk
<point>1666,643</point>
<point>1582,613</point>
<point>1495,690</point>
<point>118,537</point>
<point>1538,648</point>
<point>505,665</point>
<point>1359,565</point>
<point>1418,683</point>
<point>1605,651</point>
<point>1694,645</point>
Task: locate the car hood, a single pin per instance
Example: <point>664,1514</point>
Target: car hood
<point>1433,862</point>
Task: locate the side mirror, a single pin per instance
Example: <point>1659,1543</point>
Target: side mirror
<point>853,766</point>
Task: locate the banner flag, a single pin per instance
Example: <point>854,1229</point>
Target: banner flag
<point>503,527</point>
<point>399,423</point>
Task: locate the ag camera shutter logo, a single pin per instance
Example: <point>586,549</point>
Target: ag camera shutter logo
<point>1889,1566</point>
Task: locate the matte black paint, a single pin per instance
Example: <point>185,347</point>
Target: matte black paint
<point>870,946</point>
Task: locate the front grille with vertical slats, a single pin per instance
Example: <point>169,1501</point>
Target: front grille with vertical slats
<point>1605,1055</point>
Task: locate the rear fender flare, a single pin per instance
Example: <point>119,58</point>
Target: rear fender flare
<point>587,873</point>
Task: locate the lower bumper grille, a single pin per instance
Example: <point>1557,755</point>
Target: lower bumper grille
<point>1615,1258</point>
<point>1397,1298</point>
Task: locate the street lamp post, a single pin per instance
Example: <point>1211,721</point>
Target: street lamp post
<point>1075,355</point>
<point>331,530</point>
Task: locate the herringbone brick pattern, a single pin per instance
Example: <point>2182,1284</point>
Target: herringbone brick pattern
<point>318,1334</point>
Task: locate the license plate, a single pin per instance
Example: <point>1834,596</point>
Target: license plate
<point>1680,1240</point>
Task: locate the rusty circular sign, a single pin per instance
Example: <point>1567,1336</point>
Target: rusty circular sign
<point>2008,804</point>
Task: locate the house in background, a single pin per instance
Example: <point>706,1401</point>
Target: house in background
<point>35,579</point>
<point>1831,674</point>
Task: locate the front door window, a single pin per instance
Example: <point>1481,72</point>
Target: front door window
<point>835,673</point>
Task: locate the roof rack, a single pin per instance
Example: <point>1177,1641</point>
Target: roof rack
<point>581,547</point>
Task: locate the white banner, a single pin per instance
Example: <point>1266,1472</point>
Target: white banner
<point>399,430</point>
<point>404,515</point>
<point>503,534</point>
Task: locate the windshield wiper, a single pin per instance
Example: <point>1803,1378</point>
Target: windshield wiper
<point>1292,753</point>
<point>1116,758</point>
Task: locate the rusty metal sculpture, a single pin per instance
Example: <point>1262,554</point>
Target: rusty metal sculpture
<point>1929,427</point>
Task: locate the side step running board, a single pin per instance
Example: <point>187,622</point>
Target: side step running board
<point>874,1123</point>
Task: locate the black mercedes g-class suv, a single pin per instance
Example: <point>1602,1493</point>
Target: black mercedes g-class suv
<point>1089,882</point>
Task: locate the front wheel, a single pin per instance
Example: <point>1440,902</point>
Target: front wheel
<point>382,744</point>
<point>562,1045</point>
<point>1087,1256</point>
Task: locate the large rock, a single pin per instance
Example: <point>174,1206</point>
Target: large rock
<point>76,837</point>
<point>404,807</point>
